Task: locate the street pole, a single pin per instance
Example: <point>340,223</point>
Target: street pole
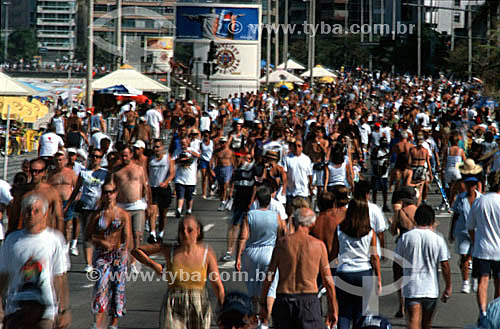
<point>382,14</point>
<point>277,35</point>
<point>419,38</point>
<point>268,50</point>
<point>285,37</point>
<point>452,14</point>
<point>370,36</point>
<point>70,93</point>
<point>346,26</point>
<point>118,33</point>
<point>469,14</point>
<point>393,69</point>
<point>6,31</point>
<point>90,54</point>
<point>6,149</point>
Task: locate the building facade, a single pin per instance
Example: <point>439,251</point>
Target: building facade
<point>56,28</point>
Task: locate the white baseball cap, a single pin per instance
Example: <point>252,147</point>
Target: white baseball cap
<point>139,144</point>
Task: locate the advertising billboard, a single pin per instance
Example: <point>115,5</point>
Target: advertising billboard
<point>217,22</point>
<point>162,49</point>
<point>160,43</point>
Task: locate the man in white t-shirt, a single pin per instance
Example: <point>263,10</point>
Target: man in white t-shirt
<point>50,142</point>
<point>154,118</point>
<point>185,176</point>
<point>484,229</point>
<point>33,266</point>
<point>298,167</point>
<point>424,250</point>
<point>5,199</point>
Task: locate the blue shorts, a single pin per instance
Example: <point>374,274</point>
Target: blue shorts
<point>204,164</point>
<point>70,214</point>
<point>238,216</point>
<point>184,192</point>
<point>224,174</point>
<point>462,244</point>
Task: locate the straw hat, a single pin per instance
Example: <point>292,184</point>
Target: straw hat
<point>273,155</point>
<point>469,167</point>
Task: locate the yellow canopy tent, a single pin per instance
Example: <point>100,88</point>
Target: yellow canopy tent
<point>327,80</point>
<point>288,85</point>
<point>21,109</point>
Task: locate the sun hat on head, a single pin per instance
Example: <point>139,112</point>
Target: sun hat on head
<point>273,155</point>
<point>469,167</point>
<point>139,144</point>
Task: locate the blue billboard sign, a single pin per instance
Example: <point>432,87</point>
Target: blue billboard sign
<point>217,23</point>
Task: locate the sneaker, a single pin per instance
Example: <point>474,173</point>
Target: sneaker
<point>74,251</point>
<point>483,322</point>
<point>222,206</point>
<point>475,284</point>
<point>177,214</point>
<point>465,287</point>
<point>112,327</point>
<point>316,208</point>
<point>227,257</point>
<point>189,212</point>
<point>152,239</point>
<point>204,197</point>
<point>88,268</point>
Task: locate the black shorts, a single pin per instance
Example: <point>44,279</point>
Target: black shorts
<point>294,311</point>
<point>161,196</point>
<point>482,267</point>
<point>184,192</point>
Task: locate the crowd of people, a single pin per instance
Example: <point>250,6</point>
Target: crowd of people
<point>299,171</point>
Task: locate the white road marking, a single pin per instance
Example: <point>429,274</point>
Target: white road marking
<point>90,285</point>
<point>171,213</point>
<point>207,227</point>
<point>443,215</point>
<point>227,265</point>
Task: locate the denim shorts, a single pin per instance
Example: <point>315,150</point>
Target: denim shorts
<point>184,191</point>
<point>204,164</point>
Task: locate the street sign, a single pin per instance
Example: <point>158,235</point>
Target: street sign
<point>205,87</point>
<point>42,50</point>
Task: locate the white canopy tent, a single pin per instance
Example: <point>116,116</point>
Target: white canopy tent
<point>281,75</point>
<point>318,72</point>
<point>10,87</point>
<point>127,75</point>
<point>292,65</point>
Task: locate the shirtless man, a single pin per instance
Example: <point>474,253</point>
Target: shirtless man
<point>129,125</point>
<point>142,132</point>
<point>224,161</point>
<point>404,146</point>
<point>64,179</point>
<point>139,157</point>
<point>38,169</point>
<point>134,195</point>
<point>302,257</point>
<point>420,163</point>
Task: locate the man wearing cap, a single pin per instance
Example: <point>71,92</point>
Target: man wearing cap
<point>139,157</point>
<point>458,229</point>
<point>483,225</point>
<point>298,168</point>
<point>154,118</point>
<point>97,136</point>
<point>237,312</point>
<point>64,179</point>
<point>223,163</point>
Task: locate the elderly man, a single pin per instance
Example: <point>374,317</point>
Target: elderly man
<point>33,266</point>
<point>302,257</point>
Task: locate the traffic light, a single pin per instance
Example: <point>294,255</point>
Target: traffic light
<point>212,51</point>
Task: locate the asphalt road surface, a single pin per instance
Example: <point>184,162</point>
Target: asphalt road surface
<point>145,293</point>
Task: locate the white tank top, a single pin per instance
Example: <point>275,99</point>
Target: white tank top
<point>207,151</point>
<point>158,170</point>
<point>59,125</point>
<point>337,176</point>
<point>453,160</point>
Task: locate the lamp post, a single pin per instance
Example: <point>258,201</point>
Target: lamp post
<point>6,30</point>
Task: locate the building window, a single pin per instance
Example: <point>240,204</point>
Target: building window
<point>457,3</point>
<point>456,18</point>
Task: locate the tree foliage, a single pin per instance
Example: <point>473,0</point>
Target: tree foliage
<point>22,44</point>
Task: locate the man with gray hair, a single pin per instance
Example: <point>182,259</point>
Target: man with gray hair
<point>33,266</point>
<point>302,257</point>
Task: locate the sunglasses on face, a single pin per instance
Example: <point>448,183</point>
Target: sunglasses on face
<point>105,192</point>
<point>96,156</point>
<point>37,171</point>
